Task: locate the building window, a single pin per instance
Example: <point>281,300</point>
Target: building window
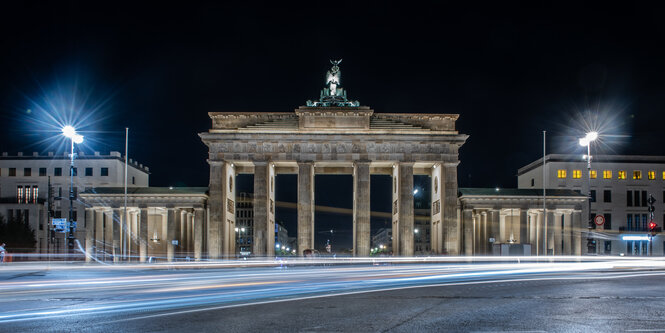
<point>35,193</point>
<point>74,172</point>
<point>561,173</point>
<point>27,194</point>
<point>27,172</point>
<point>607,174</point>
<point>133,180</point>
<point>644,198</point>
<point>636,198</point>
<point>12,172</point>
<point>105,172</point>
<point>88,172</point>
<point>637,174</point>
<point>651,175</point>
<point>19,194</point>
<point>608,221</point>
<point>593,174</point>
<point>593,195</point>
<point>663,175</point>
<point>629,222</point>
<point>629,198</point>
<point>533,181</point>
<point>57,172</point>
<point>577,174</point>
<point>607,195</point>
<point>622,174</point>
<point>42,172</point>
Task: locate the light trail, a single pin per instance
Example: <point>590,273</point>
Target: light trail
<point>89,290</point>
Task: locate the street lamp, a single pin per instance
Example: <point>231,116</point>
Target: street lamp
<point>75,138</point>
<point>586,142</point>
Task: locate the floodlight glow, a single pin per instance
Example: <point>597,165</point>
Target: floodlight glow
<point>584,142</point>
<point>69,131</point>
<point>591,136</point>
<point>635,238</point>
<point>277,246</point>
<point>415,191</point>
<point>242,229</point>
<point>78,139</point>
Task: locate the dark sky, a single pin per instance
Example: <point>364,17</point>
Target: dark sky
<point>509,70</point>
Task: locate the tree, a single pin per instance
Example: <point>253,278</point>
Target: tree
<point>17,234</point>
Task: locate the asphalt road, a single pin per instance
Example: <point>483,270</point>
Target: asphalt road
<point>576,297</point>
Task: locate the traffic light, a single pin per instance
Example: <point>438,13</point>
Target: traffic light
<point>652,226</point>
<point>651,201</point>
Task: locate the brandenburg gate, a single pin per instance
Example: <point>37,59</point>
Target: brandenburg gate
<point>333,135</point>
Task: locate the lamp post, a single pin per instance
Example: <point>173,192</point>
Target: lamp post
<point>586,142</point>
<point>75,138</point>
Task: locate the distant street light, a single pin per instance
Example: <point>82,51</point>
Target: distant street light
<point>75,138</point>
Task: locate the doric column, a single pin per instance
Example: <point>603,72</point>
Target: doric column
<point>524,221</point>
<point>467,224</point>
<point>533,236</point>
<point>115,222</point>
<point>395,210</point>
<point>540,226</point>
<point>217,208</point>
<point>305,206</point>
<point>99,234</point>
<point>557,248</point>
<point>493,229</point>
<point>361,211</point>
<point>476,233</point>
<point>406,209</point>
<point>483,233</point>
<point>89,233</point>
<point>190,235</point>
<point>449,202</point>
<point>270,230</point>
<point>171,221</point>
<point>143,234</point>
<point>230,211</point>
<point>502,228</point>
<point>436,230</point>
<point>550,232</point>
<point>577,233</point>
<point>182,232</point>
<point>260,207</point>
<point>567,235</point>
<point>199,216</point>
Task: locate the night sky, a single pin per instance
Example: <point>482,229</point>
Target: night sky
<point>510,71</point>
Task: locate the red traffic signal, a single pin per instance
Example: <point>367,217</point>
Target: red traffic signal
<point>652,226</point>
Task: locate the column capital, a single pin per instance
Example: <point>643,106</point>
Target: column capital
<point>450,164</point>
<point>215,162</point>
<point>260,163</point>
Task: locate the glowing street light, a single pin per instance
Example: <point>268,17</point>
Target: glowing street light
<point>586,142</point>
<point>70,133</point>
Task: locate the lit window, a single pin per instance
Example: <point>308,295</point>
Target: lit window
<point>651,175</point>
<point>561,173</point>
<point>593,174</point>
<point>35,193</point>
<point>637,174</point>
<point>27,194</point>
<point>19,194</point>
<point>607,174</point>
<point>577,174</point>
<point>663,175</point>
<point>622,174</point>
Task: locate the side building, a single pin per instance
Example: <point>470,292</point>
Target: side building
<point>24,182</point>
<point>620,188</point>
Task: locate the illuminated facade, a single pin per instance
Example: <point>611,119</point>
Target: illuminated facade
<point>620,196</point>
<point>333,136</point>
<point>24,188</point>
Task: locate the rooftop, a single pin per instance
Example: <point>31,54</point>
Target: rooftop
<point>596,159</point>
<point>519,192</point>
